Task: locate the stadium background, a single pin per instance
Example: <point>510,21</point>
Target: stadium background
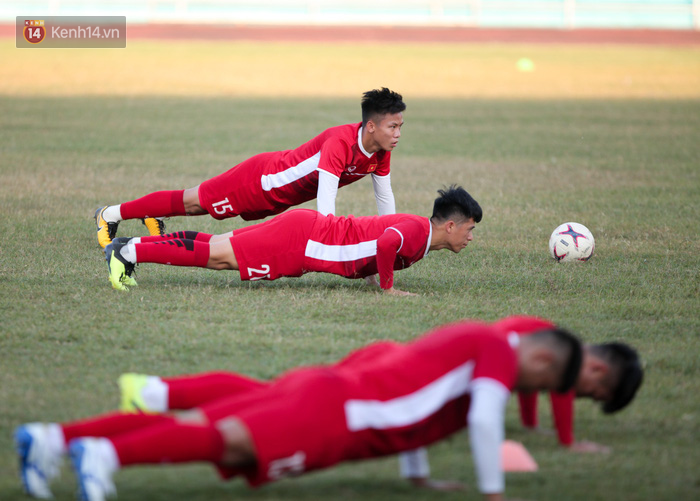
<point>604,130</point>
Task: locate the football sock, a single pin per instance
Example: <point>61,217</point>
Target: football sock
<point>197,236</point>
<point>110,425</point>
<point>176,252</point>
<point>155,394</point>
<point>112,214</point>
<point>56,439</point>
<point>172,442</point>
<point>158,204</point>
<point>192,391</point>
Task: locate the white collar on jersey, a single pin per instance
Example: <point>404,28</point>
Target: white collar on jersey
<point>513,339</point>
<point>430,235</point>
<point>359,143</point>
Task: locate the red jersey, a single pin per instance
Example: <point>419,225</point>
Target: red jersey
<point>269,183</point>
<point>302,241</point>
<point>356,247</point>
<point>562,403</point>
<point>383,399</point>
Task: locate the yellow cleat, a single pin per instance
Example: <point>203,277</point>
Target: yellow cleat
<point>130,387</point>
<point>105,230</point>
<point>156,227</point>
<point>120,269</point>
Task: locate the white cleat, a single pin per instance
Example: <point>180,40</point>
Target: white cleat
<point>38,464</point>
<point>93,475</point>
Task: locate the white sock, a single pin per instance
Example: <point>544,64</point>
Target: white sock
<point>155,394</point>
<point>56,439</point>
<point>108,454</point>
<point>112,214</point>
<point>128,252</point>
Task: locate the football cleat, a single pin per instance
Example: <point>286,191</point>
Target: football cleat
<point>120,269</point>
<point>128,280</point>
<point>94,478</point>
<point>105,230</point>
<point>130,386</point>
<point>156,227</point>
<point>38,465</point>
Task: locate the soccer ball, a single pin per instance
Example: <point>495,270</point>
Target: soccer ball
<point>571,242</point>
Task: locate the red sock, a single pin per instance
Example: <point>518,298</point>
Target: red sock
<point>192,391</point>
<point>170,442</point>
<point>175,252</point>
<point>110,425</point>
<point>158,204</point>
<point>197,236</point>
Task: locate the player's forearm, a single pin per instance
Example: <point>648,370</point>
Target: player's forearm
<point>327,192</point>
<point>384,195</point>
<point>486,429</point>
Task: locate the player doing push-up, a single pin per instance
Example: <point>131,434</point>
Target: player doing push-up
<point>302,241</point>
<point>270,183</point>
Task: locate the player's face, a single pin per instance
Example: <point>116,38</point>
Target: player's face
<point>593,380</point>
<point>388,131</point>
<point>461,234</point>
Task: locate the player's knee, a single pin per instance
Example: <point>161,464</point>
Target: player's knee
<point>191,200</point>
<point>192,416</point>
<point>239,445</point>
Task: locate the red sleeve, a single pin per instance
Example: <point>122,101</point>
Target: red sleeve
<point>387,247</point>
<point>563,415</point>
<point>528,409</point>
<point>334,156</point>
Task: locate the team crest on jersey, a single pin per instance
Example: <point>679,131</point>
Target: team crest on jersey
<point>372,167</point>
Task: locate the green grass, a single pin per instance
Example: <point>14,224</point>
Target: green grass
<point>626,169</point>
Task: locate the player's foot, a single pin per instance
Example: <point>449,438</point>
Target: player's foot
<point>128,280</point>
<point>130,388</point>
<point>91,471</point>
<point>105,230</point>
<point>38,464</point>
<point>156,227</point>
<point>120,269</point>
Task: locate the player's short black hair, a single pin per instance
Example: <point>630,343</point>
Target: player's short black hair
<point>569,347</point>
<point>456,202</point>
<point>628,373</point>
<point>379,102</point>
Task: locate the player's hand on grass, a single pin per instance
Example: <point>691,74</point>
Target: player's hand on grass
<point>587,447</point>
<point>397,292</point>
<point>540,431</point>
<point>437,485</point>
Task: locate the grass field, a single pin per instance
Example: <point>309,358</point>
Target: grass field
<point>609,138</point>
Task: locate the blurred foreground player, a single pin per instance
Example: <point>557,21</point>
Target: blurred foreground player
<point>611,373</point>
<point>301,241</point>
<point>381,400</point>
<point>270,183</point>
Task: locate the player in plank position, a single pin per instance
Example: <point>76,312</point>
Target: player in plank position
<point>611,373</point>
<point>384,399</point>
<point>270,183</point>
<point>302,241</point>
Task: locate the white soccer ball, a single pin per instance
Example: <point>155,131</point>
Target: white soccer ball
<point>571,242</point>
